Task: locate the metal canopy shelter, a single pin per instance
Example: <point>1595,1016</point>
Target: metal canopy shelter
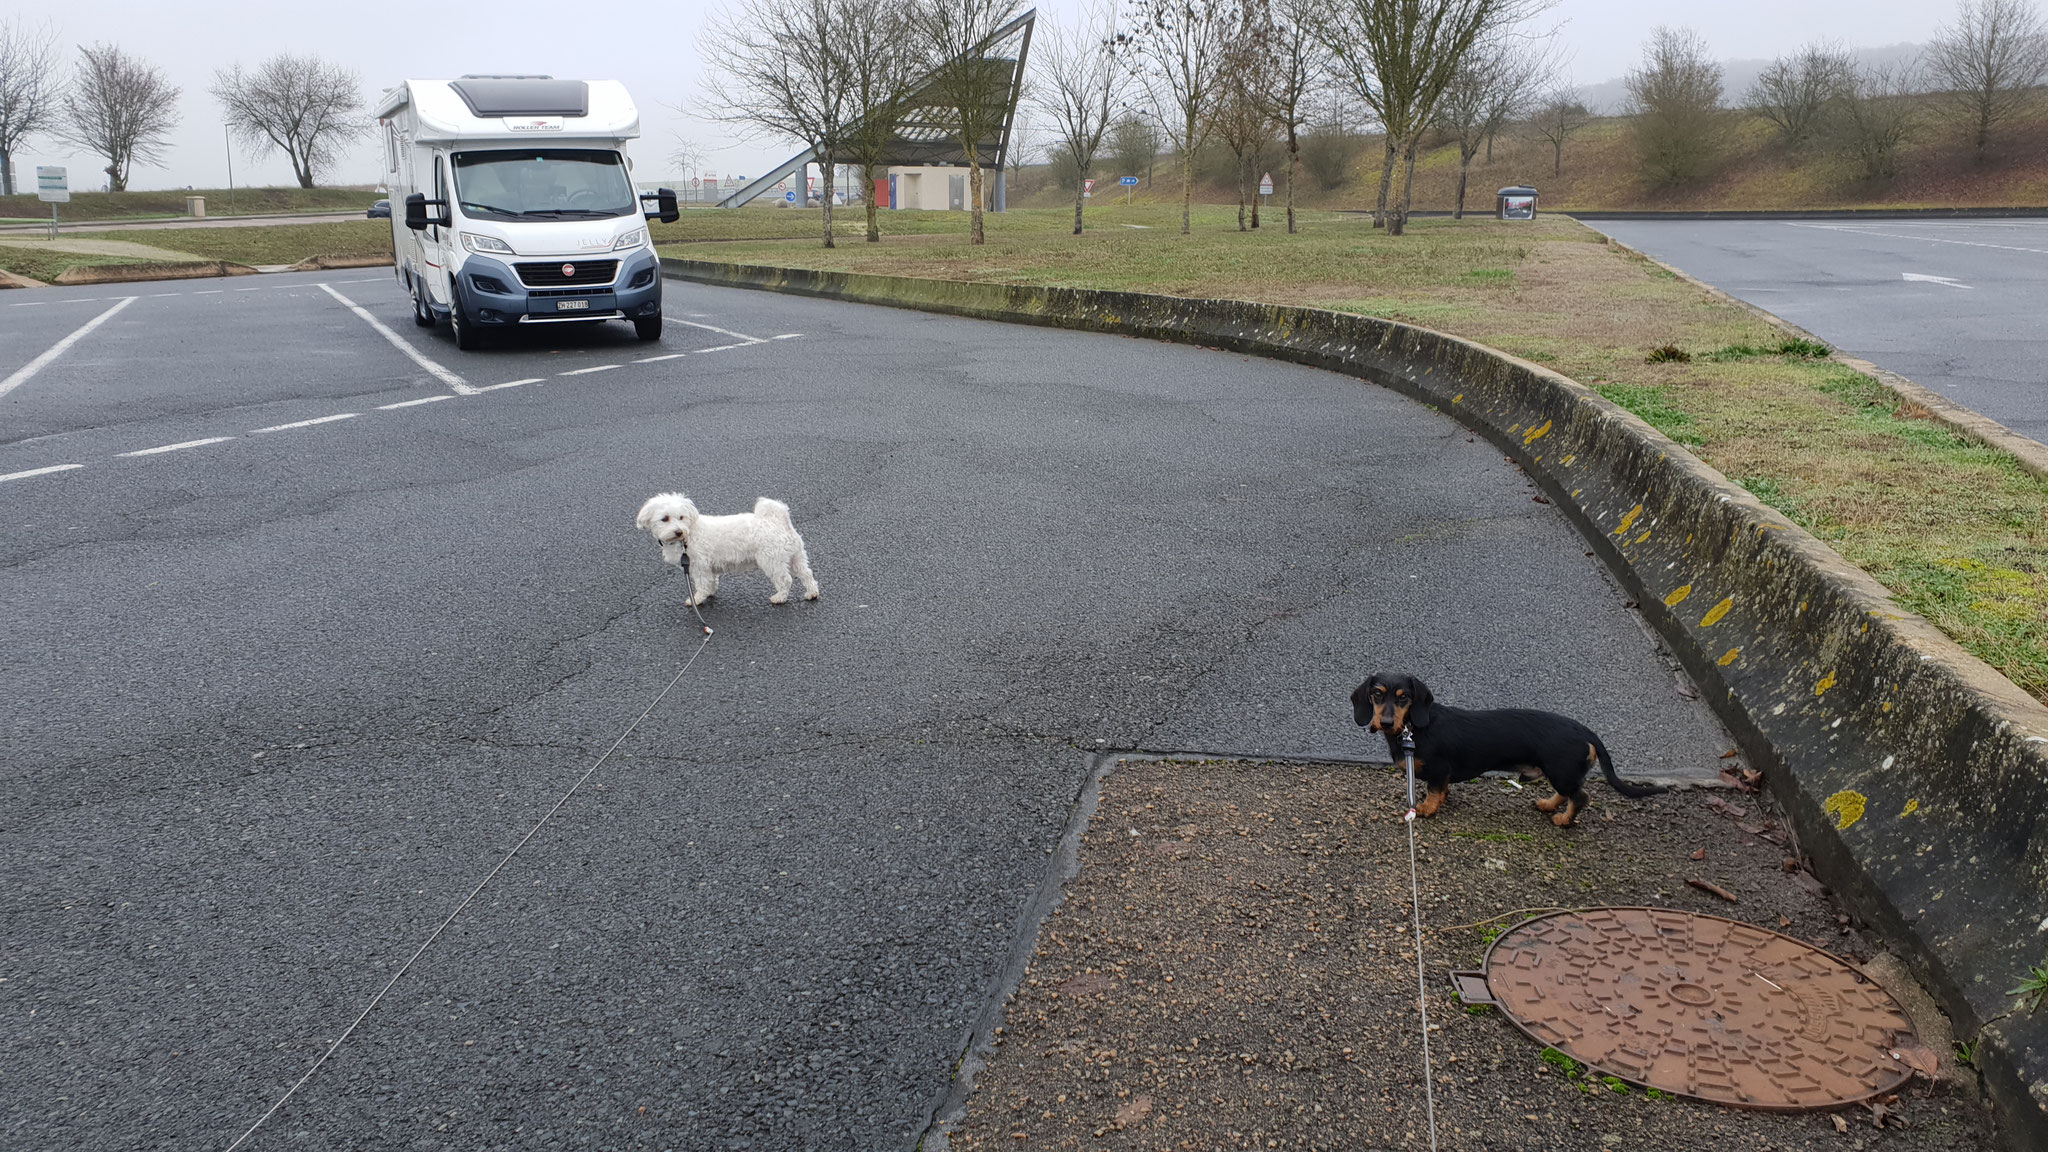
<point>921,135</point>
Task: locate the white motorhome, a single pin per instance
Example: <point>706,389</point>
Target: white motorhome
<point>518,204</point>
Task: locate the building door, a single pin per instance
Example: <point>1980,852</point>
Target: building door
<point>956,192</point>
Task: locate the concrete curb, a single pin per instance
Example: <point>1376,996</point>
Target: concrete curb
<point>126,273</point>
<point>1915,775</point>
<point>2031,453</point>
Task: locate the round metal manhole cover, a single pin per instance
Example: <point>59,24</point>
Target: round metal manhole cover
<point>1700,1006</point>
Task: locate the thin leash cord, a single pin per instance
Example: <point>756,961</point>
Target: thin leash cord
<point>1421,984</point>
<point>403,968</point>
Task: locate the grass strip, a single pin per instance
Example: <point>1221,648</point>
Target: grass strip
<point>1955,529</point>
<point>253,245</point>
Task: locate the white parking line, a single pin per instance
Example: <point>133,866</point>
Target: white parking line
<point>658,359</point>
<point>587,371</point>
<point>84,300</point>
<point>210,292</point>
<point>722,331</point>
<point>176,447</point>
<point>786,336</point>
<point>442,374</point>
<point>36,365</point>
<point>31,304</point>
<point>512,384</point>
<point>39,471</point>
<point>306,423</point>
<point>421,400</point>
<point>726,347</point>
<point>1927,239</point>
<point>259,288</point>
<point>161,295</point>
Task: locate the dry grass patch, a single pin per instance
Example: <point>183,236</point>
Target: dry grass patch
<point>1955,529</point>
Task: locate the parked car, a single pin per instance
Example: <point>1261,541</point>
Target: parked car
<point>379,210</point>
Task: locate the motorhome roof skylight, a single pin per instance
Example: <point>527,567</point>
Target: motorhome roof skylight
<point>524,97</point>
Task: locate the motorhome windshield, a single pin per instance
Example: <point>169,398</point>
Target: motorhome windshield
<point>543,184</point>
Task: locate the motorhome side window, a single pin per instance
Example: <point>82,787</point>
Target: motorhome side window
<point>544,184</point>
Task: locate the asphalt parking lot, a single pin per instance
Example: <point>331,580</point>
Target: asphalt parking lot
<point>1954,305</point>
<point>311,622</point>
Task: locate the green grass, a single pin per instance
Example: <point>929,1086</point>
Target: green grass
<point>277,244</point>
<point>1654,404</point>
<point>171,202</point>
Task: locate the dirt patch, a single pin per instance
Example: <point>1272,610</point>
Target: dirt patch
<point>1233,967</point>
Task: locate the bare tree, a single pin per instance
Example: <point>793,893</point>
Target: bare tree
<point>1081,80</point>
<point>1293,78</point>
<point>1241,113</point>
<point>1398,57</point>
<point>1988,60</point>
<point>1675,98</point>
<point>121,108</point>
<point>1481,97</point>
<point>300,104</point>
<point>1561,114</point>
<point>29,90</point>
<point>971,95</point>
<point>879,59</point>
<point>785,76</point>
<point>1187,42</point>
<point>1794,91</point>
<point>1134,143</point>
<point>1872,115</point>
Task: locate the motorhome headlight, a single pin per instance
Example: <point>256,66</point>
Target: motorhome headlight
<point>633,239</point>
<point>476,243</point>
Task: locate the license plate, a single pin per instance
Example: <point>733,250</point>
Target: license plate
<point>571,305</point>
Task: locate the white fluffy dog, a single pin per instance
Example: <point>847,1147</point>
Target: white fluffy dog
<point>763,538</point>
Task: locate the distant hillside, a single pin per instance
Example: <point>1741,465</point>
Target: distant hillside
<point>1609,96</point>
<point>1600,171</point>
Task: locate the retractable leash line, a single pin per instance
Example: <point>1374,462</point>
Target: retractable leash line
<point>488,877</point>
<point>1421,985</point>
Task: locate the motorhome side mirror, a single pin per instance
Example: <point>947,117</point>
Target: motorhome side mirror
<point>665,209</point>
<point>416,212</point>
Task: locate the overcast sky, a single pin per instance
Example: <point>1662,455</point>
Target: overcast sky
<point>652,47</point>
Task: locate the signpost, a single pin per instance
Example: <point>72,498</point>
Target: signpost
<point>1129,182</point>
<point>1266,184</point>
<point>1087,189</point>
<point>54,189</point>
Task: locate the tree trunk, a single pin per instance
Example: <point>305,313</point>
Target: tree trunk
<point>1241,169</point>
<point>6,173</point>
<point>825,174</point>
<point>975,233</point>
<point>867,173</point>
<point>1080,195</point>
<point>1399,222</point>
<point>1464,174</point>
<point>1379,213</point>
<point>1187,183</point>
<point>1293,159</point>
<point>303,169</point>
<point>1557,161</point>
<point>115,181</point>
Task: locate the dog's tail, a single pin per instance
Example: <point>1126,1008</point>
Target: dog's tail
<point>773,510</point>
<point>1629,788</point>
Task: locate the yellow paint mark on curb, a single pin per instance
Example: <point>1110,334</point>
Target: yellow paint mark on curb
<point>1715,613</point>
<point>1678,596</point>
<point>1846,807</point>
<point>1824,683</point>
<point>1568,459</point>
<point>1729,658</point>
<point>1887,706</point>
<point>1644,536</point>
<point>1628,521</point>
<point>1458,397</point>
<point>1535,434</point>
<point>1912,806</point>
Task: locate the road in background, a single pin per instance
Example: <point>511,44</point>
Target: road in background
<point>303,639</point>
<point>1954,305</point>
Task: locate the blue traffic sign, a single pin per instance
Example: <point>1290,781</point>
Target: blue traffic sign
<point>789,197</point>
<point>1129,181</point>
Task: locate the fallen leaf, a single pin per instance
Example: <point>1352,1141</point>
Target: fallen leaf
<point>1540,499</point>
<point>1805,880</point>
<point>1841,1125</point>
<point>1688,691</point>
<point>1753,827</point>
<point>1731,752</point>
<point>1919,1059</point>
<point>1783,922</point>
<point>1699,853</point>
<point>1716,889</point>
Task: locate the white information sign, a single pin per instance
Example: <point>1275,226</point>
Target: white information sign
<point>51,186</point>
<point>1266,184</point>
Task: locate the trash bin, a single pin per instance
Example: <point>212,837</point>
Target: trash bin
<point>195,205</point>
<point>1517,202</point>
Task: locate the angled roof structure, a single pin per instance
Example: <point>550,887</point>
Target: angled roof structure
<point>921,135</point>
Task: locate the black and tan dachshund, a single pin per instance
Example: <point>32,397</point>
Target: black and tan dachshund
<point>1454,744</point>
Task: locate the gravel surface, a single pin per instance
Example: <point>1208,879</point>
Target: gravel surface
<point>1233,968</point>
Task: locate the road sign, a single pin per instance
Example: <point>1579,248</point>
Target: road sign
<point>1087,189</point>
<point>1266,184</point>
<point>51,186</point>
<point>1129,181</point>
<point>696,182</point>
<point>789,197</point>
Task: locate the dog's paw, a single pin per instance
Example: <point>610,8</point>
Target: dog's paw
<point>779,598</point>
<point>810,595</point>
<point>1564,819</point>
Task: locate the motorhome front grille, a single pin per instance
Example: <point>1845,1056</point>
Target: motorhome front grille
<point>556,273</point>
<point>544,293</point>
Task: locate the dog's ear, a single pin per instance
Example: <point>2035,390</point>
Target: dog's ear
<point>646,515</point>
<point>1422,712</point>
<point>1361,702</point>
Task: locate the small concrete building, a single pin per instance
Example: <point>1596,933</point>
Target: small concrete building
<point>935,187</point>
